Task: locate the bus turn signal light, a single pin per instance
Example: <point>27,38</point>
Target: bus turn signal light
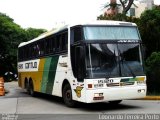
<point>141,91</point>
<point>89,85</point>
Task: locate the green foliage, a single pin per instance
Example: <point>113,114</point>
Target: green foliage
<point>119,17</point>
<point>33,32</point>
<point>150,30</point>
<point>11,35</point>
<point>153,73</point>
<point>153,60</point>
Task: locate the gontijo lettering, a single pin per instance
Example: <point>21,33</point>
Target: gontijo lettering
<point>30,65</point>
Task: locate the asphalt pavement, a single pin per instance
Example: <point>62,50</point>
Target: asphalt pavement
<point>17,103</point>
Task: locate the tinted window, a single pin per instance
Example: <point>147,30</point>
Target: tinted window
<point>76,33</point>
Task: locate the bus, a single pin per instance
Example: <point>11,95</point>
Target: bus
<point>87,62</point>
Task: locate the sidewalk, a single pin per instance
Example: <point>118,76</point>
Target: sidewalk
<point>151,98</point>
<point>10,85</point>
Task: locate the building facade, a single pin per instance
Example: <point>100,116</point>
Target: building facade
<point>139,7</point>
<point>136,9</point>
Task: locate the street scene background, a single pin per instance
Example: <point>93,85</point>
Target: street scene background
<point>12,33</point>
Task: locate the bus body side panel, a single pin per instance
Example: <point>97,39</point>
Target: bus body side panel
<point>43,76</point>
<point>60,75</point>
<point>31,72</point>
<point>49,72</point>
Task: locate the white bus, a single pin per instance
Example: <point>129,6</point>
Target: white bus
<point>90,62</point>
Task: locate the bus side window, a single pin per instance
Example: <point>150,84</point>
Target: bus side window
<point>64,41</point>
<point>47,47</point>
<point>76,34</point>
<point>35,50</point>
<point>41,45</point>
<point>57,43</point>
<point>26,52</point>
<point>31,51</point>
<point>23,53</point>
<point>53,39</point>
<point>50,45</point>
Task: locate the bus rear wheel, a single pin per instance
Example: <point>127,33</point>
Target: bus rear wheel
<point>31,89</point>
<point>27,86</point>
<point>67,96</point>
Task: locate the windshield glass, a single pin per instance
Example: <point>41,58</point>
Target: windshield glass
<point>113,60</point>
<point>111,33</point>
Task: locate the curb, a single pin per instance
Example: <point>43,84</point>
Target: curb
<point>151,98</point>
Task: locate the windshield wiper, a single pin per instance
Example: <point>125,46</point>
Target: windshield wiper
<point>123,61</point>
<point>131,71</point>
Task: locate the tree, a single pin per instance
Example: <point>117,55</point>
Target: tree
<point>112,7</point>
<point>33,32</point>
<point>150,30</point>
<point>119,17</point>
<point>126,4</point>
<point>11,35</point>
<point>152,71</point>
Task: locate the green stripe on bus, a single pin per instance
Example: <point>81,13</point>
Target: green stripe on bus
<point>51,75</point>
<point>45,75</point>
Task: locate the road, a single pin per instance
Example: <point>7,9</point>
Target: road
<point>52,108</point>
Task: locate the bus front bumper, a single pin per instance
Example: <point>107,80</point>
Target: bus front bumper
<point>115,93</point>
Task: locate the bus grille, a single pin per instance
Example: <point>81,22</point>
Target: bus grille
<point>120,84</point>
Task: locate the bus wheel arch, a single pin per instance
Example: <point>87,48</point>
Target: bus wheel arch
<point>25,83</point>
<point>67,94</point>
<point>64,83</point>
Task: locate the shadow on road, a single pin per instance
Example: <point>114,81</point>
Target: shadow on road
<point>16,92</point>
<point>105,106</point>
<point>90,107</point>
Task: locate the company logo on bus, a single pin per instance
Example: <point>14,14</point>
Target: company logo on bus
<point>128,41</point>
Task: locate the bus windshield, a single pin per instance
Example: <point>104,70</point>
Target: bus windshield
<point>113,60</point>
<point>111,33</point>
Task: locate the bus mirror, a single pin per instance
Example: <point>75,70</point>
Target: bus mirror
<point>80,62</point>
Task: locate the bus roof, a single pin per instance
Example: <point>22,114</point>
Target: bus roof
<point>98,22</point>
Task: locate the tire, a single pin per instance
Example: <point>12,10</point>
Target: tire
<point>116,102</point>
<point>67,96</point>
<point>27,86</point>
<point>31,89</point>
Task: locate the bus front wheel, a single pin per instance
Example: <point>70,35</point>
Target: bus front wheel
<point>67,96</point>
